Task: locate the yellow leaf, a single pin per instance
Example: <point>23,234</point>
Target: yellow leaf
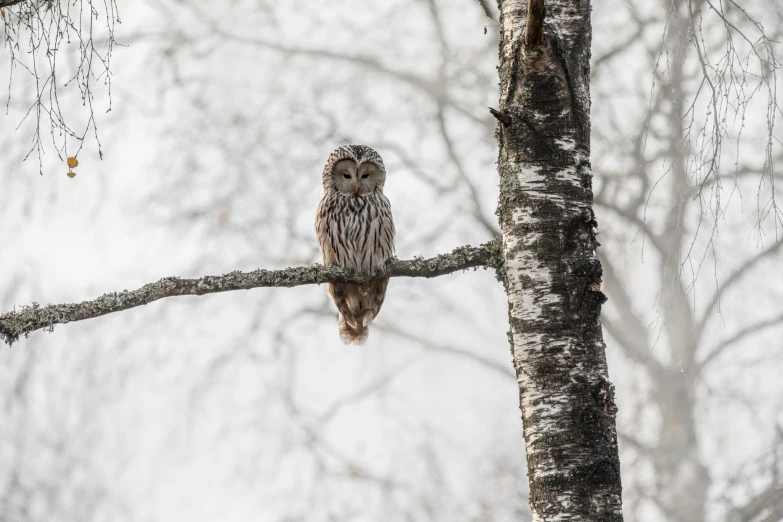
<point>72,162</point>
<point>71,174</point>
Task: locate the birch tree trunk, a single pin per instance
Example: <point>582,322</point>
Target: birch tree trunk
<point>553,275</point>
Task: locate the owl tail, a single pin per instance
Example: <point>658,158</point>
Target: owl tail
<point>351,335</point>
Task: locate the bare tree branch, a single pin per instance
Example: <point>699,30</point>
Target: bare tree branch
<point>739,336</point>
<point>485,5</point>
<point>630,332</point>
<point>503,370</point>
<point>640,446</point>
<point>629,215</point>
<point>769,502</point>
<point>426,85</point>
<point>31,318</point>
<point>478,210</point>
<point>732,279</point>
<point>37,37</point>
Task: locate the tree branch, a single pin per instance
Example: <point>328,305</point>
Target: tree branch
<point>769,501</point>
<point>630,332</point>
<point>426,85</point>
<point>739,336</point>
<point>30,318</point>
<point>488,10</point>
<point>732,280</point>
<point>630,216</point>
<point>9,3</point>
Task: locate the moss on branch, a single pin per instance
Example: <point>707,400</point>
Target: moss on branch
<point>35,317</point>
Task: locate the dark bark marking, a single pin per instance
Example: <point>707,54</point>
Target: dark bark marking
<point>574,111</point>
<point>514,77</point>
<point>534,29</point>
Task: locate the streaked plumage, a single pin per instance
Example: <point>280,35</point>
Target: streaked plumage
<point>355,231</point>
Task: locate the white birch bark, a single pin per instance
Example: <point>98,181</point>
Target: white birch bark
<point>552,272</point>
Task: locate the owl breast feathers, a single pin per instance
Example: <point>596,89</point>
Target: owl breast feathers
<point>355,231</point>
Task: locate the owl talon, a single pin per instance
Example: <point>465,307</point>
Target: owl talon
<point>351,322</point>
<point>350,335</point>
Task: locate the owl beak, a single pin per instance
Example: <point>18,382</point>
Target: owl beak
<point>356,191</point>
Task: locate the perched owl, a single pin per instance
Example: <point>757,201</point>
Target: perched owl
<point>355,230</point>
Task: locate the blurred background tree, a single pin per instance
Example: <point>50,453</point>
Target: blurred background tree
<point>246,405</point>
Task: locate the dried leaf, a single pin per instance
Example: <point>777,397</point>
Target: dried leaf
<point>71,173</point>
<point>72,162</point>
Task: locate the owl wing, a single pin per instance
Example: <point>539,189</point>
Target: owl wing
<point>322,232</point>
<point>386,231</point>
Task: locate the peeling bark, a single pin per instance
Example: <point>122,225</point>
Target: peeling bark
<point>30,318</point>
<point>553,276</point>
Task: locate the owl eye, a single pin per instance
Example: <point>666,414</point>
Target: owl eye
<point>346,175</point>
<point>365,175</point>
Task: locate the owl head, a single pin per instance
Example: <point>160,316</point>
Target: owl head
<point>354,171</point>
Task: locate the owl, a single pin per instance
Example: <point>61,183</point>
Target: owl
<point>355,231</point>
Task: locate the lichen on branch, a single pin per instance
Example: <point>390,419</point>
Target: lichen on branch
<point>27,319</point>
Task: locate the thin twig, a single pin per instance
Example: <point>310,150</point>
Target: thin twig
<point>732,279</point>
<point>739,336</point>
